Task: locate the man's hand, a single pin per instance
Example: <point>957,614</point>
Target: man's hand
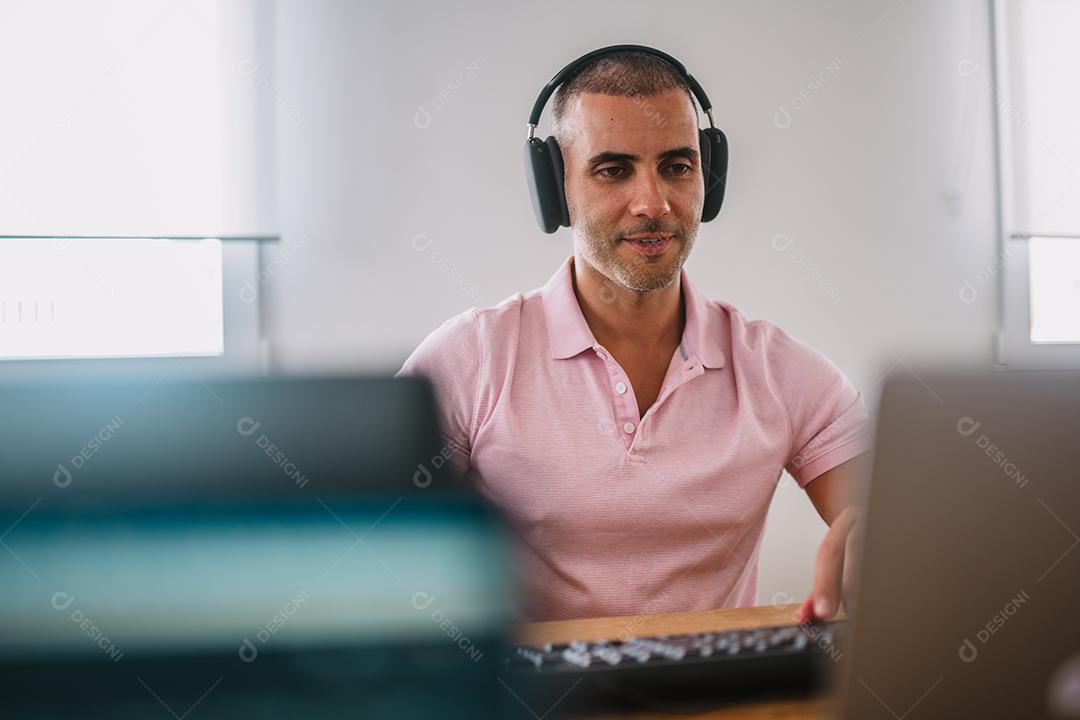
<point>832,573</point>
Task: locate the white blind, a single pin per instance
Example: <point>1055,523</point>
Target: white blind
<point>1041,114</point>
<point>131,117</point>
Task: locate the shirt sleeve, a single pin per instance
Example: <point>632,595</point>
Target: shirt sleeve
<point>450,358</point>
<point>827,413</point>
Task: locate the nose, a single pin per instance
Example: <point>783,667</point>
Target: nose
<point>649,199</point>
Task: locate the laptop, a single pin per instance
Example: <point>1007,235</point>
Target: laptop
<point>241,548</point>
<point>970,570</point>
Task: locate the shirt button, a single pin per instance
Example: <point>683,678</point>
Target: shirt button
<point>601,354</point>
<point>628,427</point>
<point>620,388</point>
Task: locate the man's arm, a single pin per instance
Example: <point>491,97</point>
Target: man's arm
<point>836,489</point>
<point>834,495</point>
<point>829,424</point>
<point>450,357</point>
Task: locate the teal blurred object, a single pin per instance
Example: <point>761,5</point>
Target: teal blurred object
<point>144,580</point>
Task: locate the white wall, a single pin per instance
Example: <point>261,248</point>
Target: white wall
<point>882,181</point>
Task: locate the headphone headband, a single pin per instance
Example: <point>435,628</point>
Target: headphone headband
<point>570,70</point>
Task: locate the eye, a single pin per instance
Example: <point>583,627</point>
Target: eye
<point>605,172</point>
<point>685,169</point>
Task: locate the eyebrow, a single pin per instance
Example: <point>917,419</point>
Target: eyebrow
<point>609,156</point>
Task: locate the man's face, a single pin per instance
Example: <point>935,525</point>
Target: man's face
<point>632,170</point>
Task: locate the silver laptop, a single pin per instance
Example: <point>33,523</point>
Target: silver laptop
<point>968,600</point>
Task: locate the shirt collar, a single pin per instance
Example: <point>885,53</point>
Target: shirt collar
<point>702,332</point>
<point>569,334</point>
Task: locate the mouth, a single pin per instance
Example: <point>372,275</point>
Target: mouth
<point>650,243</point>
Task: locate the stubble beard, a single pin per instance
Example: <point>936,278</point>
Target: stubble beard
<point>602,250</point>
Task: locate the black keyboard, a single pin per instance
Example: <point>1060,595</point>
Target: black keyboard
<point>673,672</point>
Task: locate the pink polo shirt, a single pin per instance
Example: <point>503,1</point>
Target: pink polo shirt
<point>625,515</point>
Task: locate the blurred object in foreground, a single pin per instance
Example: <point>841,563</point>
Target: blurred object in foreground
<point>273,548</point>
<point>970,570</point>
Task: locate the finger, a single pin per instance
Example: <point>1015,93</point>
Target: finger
<point>805,611</point>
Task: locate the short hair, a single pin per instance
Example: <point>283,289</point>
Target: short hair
<point>626,73</point>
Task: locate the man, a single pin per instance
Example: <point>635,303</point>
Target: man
<point>632,430</point>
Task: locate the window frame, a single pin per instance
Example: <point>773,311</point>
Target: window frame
<point>1014,349</point>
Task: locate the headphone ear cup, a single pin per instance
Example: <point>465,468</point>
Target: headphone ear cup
<point>706,156</point>
<point>714,153</point>
<point>544,174</point>
<point>555,153</point>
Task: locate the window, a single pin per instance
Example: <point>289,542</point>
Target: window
<point>134,297</point>
<point>1055,289</point>
<point>1037,111</point>
<point>137,124</point>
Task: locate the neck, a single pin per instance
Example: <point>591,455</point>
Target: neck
<point>632,321</point>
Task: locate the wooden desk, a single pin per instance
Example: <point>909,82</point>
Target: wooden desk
<point>815,708</point>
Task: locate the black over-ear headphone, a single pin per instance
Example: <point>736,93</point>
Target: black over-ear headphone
<point>544,164</point>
